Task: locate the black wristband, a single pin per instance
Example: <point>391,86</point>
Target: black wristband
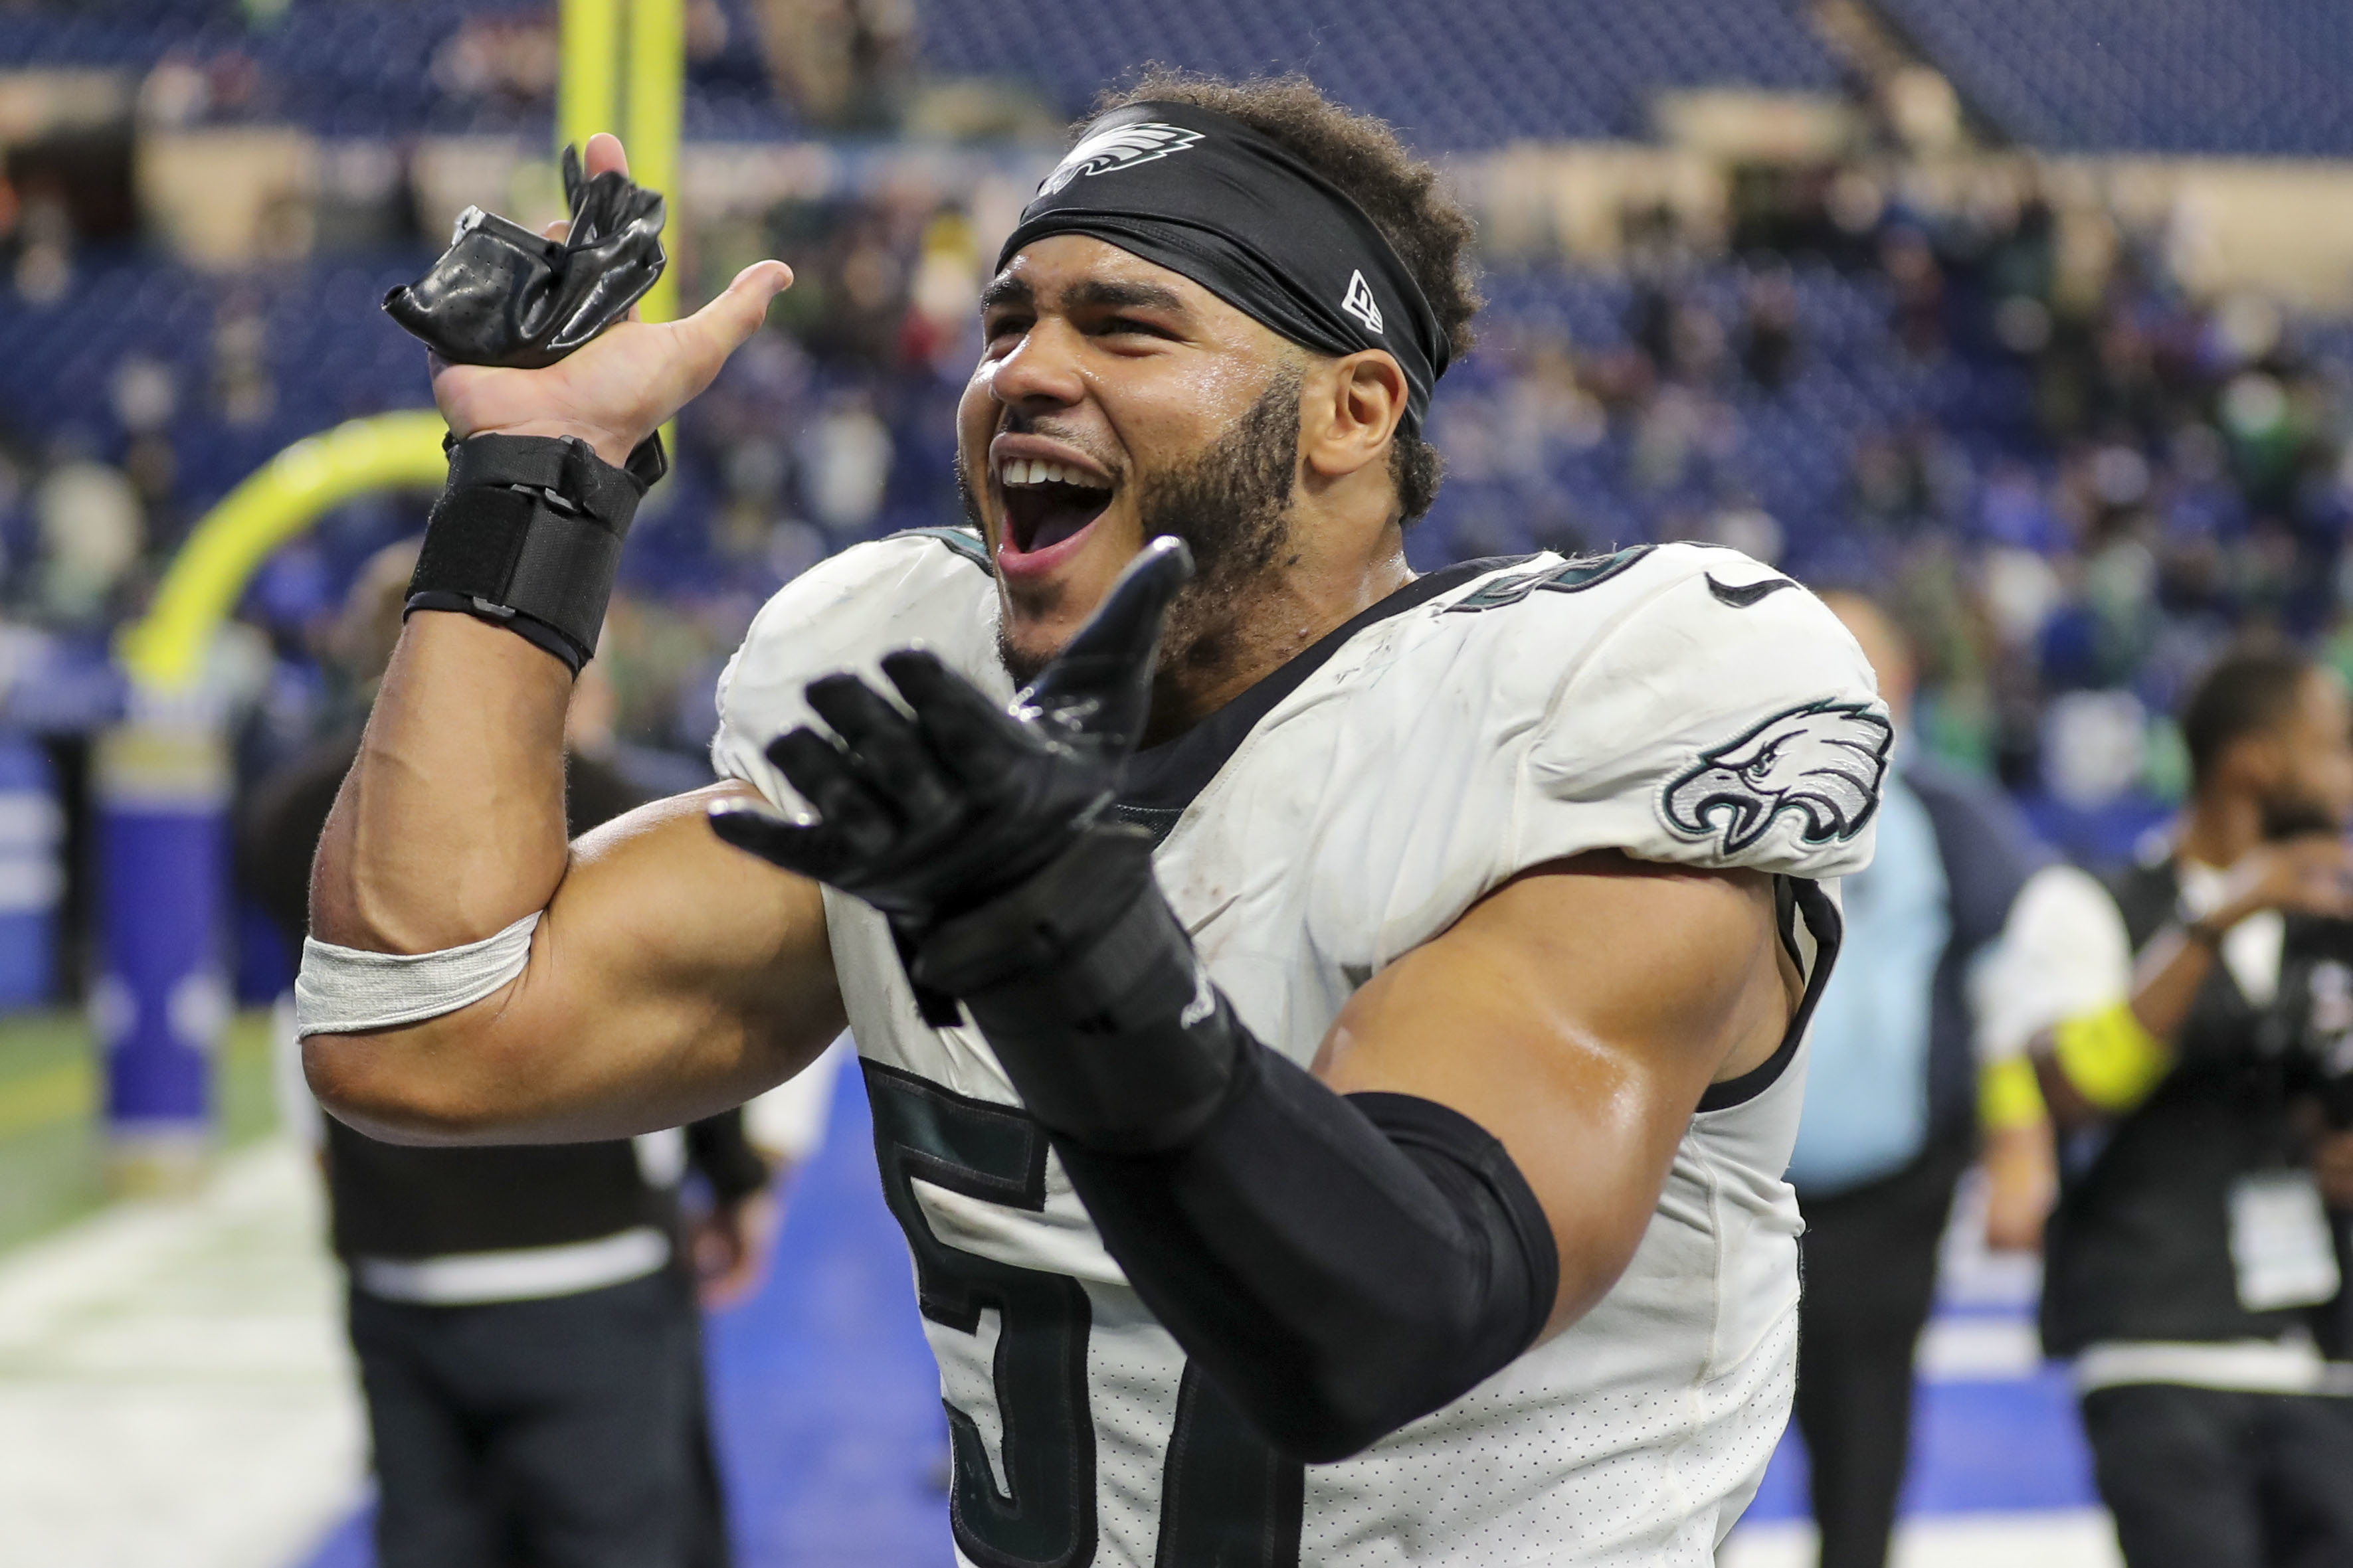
<point>528,534</point>
<point>2199,926</point>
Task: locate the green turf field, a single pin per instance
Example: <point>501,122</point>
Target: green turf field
<point>52,1164</point>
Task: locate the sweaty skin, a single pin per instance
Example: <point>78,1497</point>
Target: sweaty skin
<point>1577,1013</point>
<point>1100,360</point>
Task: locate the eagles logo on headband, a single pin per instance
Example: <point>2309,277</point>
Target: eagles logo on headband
<point>1121,147</point>
<point>1203,194</point>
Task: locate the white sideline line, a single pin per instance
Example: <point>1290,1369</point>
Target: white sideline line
<point>2080,1538</point>
<point>1978,1350</point>
<point>175,1387</point>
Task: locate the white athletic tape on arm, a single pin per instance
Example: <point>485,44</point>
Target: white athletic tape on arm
<point>346,991</point>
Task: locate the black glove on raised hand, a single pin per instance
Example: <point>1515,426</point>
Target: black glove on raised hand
<point>501,295</point>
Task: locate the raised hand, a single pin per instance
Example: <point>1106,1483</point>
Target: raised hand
<point>2311,875</point>
<point>620,387</point>
<point>928,814</point>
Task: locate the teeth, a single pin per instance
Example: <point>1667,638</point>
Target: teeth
<point>1018,471</point>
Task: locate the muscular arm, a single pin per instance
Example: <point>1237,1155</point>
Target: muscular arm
<point>1496,1112</point>
<point>669,977</point>
<point>1578,1013</point>
<point>1514,1092</point>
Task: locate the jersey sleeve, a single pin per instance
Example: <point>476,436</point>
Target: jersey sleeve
<point>930,589</point>
<point>1723,718</point>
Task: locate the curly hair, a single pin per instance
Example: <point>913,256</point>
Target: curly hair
<point>1430,231</point>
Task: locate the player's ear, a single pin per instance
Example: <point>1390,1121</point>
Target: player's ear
<point>1350,413</point>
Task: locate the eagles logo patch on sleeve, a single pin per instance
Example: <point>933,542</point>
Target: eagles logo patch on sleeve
<point>1820,764</point>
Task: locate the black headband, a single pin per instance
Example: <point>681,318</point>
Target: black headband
<point>1201,193</point>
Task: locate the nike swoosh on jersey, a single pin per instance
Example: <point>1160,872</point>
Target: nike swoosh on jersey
<point>1746,594</point>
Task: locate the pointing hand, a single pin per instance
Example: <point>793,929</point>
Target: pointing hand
<point>928,816</point>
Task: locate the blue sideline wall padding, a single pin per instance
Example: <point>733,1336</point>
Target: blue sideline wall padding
<point>32,876</point>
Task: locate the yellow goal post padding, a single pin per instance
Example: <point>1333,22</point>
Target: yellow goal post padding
<point>622,60</point>
<point>164,649</point>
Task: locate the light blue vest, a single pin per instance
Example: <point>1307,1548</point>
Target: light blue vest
<point>1867,1084</point>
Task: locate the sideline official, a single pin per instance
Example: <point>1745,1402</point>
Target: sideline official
<point>2194,1263</point>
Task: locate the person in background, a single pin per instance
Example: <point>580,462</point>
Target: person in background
<point>524,1318</point>
<point>2192,1263</point>
<point>2063,954</point>
<point>1891,1109</point>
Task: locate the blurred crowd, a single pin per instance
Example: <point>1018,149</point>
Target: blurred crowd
<point>2076,479</point>
<point>2074,476</point>
<point>2073,479</point>
<point>2056,482</point>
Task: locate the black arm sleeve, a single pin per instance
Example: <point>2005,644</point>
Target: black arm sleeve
<point>1338,1267</point>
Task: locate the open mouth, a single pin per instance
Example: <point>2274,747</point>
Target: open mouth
<point>1047,504</point>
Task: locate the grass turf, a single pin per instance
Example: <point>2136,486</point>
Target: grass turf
<point>52,1147</point>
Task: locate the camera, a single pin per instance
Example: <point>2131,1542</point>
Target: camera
<point>2309,1030</point>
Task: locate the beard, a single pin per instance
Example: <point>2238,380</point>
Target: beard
<point>1232,506</point>
<point>2293,816</point>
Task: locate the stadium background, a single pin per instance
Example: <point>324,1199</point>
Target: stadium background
<point>2037,320</point>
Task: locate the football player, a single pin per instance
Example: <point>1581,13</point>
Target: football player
<point>1334,1035</point>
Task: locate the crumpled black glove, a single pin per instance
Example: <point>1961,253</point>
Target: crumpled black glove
<point>931,816</point>
<point>502,295</point>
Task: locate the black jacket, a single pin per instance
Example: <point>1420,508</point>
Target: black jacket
<point>2139,1246</point>
<point>1988,852</point>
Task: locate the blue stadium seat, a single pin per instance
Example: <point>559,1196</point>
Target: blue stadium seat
<point>362,67</point>
<point>1498,71</point>
<point>2252,77</point>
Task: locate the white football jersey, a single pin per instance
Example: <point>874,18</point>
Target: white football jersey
<point>1680,703</point>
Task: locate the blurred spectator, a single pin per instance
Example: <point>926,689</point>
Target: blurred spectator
<point>242,387</point>
<point>843,62</point>
<point>2192,1262</point>
<point>1911,265</point>
<point>1891,1115</point>
<point>92,534</point>
<point>515,56</point>
<point>524,1318</point>
<point>2058,956</point>
<point>1768,342</point>
<point>845,462</point>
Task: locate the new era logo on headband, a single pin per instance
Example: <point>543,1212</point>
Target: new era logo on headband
<point>1123,147</point>
<point>1360,303</point>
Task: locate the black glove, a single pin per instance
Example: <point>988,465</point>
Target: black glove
<point>1336,1267</point>
<point>502,295</point>
<point>978,831</point>
<point>929,816</point>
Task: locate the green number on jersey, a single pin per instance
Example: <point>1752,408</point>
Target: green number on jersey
<point>1227,1500</point>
